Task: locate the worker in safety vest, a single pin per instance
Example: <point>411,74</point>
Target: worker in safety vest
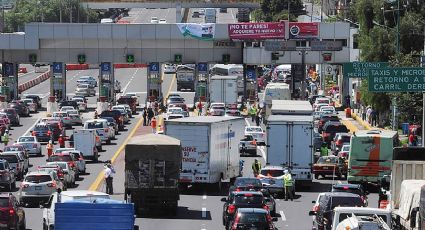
<point>289,185</point>
<point>253,112</point>
<point>256,166</point>
<point>49,148</point>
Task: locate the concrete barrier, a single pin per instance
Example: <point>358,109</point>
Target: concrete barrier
<point>29,84</point>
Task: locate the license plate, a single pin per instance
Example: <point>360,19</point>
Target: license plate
<point>325,167</point>
<point>37,187</point>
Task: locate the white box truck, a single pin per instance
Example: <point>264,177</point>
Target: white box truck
<point>275,91</point>
<point>223,89</point>
<point>85,141</point>
<point>209,148</point>
<point>290,144</point>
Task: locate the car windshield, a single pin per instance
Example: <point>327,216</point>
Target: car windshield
<point>26,139</point>
<point>59,114</point>
<point>60,158</point>
<point>346,201</point>
<point>38,178</point>
<point>345,138</point>
<point>346,148</point>
<point>9,158</point>
<point>336,129</point>
<point>247,218</point>
<point>109,119</point>
<point>248,199</point>
<point>40,128</point>
<point>327,160</point>
<point>2,167</point>
<point>254,129</point>
<point>217,107</point>
<point>349,190</point>
<point>83,86</point>
<point>272,172</point>
<point>4,202</point>
<point>247,182</point>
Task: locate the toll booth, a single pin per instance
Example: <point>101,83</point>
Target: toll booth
<point>107,82</point>
<point>58,81</point>
<point>9,81</point>
<point>154,82</point>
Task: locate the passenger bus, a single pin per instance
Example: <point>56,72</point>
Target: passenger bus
<point>234,70</point>
<point>370,157</point>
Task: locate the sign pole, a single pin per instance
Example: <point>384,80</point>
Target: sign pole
<point>423,101</point>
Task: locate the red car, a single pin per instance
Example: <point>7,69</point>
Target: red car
<point>330,166</point>
<point>129,100</point>
<point>11,213</point>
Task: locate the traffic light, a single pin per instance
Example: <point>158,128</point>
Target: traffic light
<point>225,58</point>
<point>32,58</point>
<point>178,58</point>
<point>81,58</point>
<point>275,56</point>
<point>130,58</point>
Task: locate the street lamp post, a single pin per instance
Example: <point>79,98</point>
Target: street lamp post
<point>398,27</point>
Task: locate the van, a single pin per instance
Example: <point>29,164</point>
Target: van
<point>101,125</point>
<point>49,207</point>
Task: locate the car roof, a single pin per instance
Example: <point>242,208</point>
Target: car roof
<point>37,173</point>
<point>82,193</point>
<point>273,167</point>
<point>10,152</point>
<point>350,186</point>
<point>252,210</point>
<point>341,194</point>
<point>247,192</point>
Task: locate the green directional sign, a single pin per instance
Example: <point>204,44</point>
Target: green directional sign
<point>32,58</point>
<point>396,80</point>
<point>359,69</point>
<point>81,58</point>
<point>178,58</point>
<point>130,58</point>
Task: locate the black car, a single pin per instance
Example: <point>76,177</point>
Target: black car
<point>36,99</point>
<point>330,129</point>
<point>12,115</point>
<point>112,123</point>
<point>119,119</point>
<point>20,108</point>
<point>69,103</point>
<point>43,133</point>
<point>243,199</point>
<point>253,218</point>
<point>352,188</point>
<point>7,176</point>
<point>325,118</point>
<point>12,215</point>
<point>246,184</point>
<point>328,202</point>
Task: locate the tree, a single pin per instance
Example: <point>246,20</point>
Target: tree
<point>276,10</point>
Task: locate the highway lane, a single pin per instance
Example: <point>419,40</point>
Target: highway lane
<point>229,17</point>
<point>127,77</point>
<point>143,15</point>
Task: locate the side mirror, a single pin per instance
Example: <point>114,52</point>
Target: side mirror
<point>312,213</point>
<point>313,202</point>
<point>223,199</point>
<point>274,219</point>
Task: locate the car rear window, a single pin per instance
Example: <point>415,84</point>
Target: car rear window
<point>4,202</point>
<point>247,181</point>
<point>346,202</point>
<point>26,139</point>
<point>248,199</point>
<point>327,160</point>
<point>254,129</point>
<point>272,172</point>
<point>336,129</point>
<point>60,158</point>
<point>348,190</point>
<point>94,125</point>
<point>345,138</point>
<point>38,178</point>
<point>252,218</point>
<point>41,128</point>
<point>10,158</point>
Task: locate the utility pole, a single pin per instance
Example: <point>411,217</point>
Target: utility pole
<point>312,10</point>
<point>321,11</point>
<point>303,80</point>
<point>289,10</point>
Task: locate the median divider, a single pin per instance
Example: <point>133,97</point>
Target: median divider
<point>29,84</point>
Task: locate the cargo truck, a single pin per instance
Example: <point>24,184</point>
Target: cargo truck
<point>224,89</point>
<point>185,75</point>
<point>152,167</point>
<point>85,142</point>
<point>210,148</point>
<point>370,156</point>
<point>275,91</point>
<point>290,144</point>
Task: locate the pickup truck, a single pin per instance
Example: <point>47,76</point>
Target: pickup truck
<point>362,215</point>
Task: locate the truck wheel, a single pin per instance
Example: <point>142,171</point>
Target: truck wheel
<point>45,225</point>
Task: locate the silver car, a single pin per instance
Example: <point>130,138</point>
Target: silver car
<point>75,117</point>
<point>38,186</point>
<point>69,176</point>
<point>85,90</point>
<point>22,157</point>
<point>87,80</point>
<point>81,163</point>
<point>15,163</point>
<point>30,143</point>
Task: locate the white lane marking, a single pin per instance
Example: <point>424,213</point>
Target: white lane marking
<point>282,215</point>
<point>32,126</point>
<point>126,86</point>
<point>247,122</point>
<point>263,153</point>
<point>204,212</point>
<point>204,197</point>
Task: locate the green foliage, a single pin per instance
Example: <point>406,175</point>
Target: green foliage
<point>46,11</point>
<point>276,10</point>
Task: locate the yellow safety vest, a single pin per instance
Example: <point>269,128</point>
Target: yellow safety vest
<point>287,179</point>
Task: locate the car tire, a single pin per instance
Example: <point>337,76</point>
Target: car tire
<point>23,226</point>
<point>45,227</point>
<point>273,213</point>
<point>108,142</point>
<point>14,185</point>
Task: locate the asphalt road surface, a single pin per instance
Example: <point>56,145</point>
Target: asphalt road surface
<point>143,15</point>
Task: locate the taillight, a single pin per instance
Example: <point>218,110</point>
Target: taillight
<point>231,209</point>
<point>81,159</point>
<point>11,212</point>
<point>23,185</point>
<point>339,142</point>
<point>316,208</point>
<point>33,133</point>
<point>106,130</point>
<point>253,143</point>
<point>71,164</point>
<point>97,138</point>
<point>67,118</point>
<point>52,185</point>
<point>270,221</point>
<point>266,207</point>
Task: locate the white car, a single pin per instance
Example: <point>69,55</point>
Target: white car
<point>257,132</point>
<point>66,108</point>
<point>318,106</point>
<point>69,176</point>
<point>217,109</point>
<point>32,106</point>
<point>101,125</point>
<point>31,144</point>
<point>38,186</point>
<point>154,20</point>
<point>174,116</point>
<point>87,80</point>
<point>174,110</point>
<point>133,95</point>
<point>82,106</point>
<point>170,68</point>
<point>327,109</point>
<point>49,207</point>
